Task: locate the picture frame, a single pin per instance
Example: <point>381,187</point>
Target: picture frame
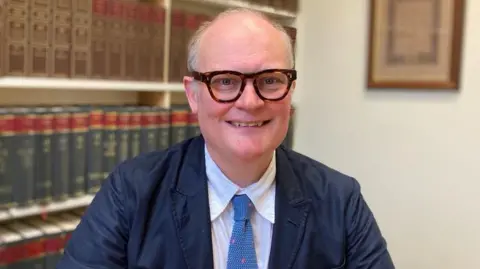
<point>415,44</point>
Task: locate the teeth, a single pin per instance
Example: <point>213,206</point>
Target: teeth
<point>247,124</point>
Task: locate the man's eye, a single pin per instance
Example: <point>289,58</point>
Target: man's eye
<point>270,80</point>
<point>226,81</point>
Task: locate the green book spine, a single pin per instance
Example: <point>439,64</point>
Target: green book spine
<point>21,151</point>
<point>109,140</point>
<point>78,150</point>
<point>178,124</point>
<point>123,134</point>
<point>148,131</point>
<point>135,126</point>
<point>95,150</point>
<point>61,153</point>
<point>43,150</point>
<point>193,127</point>
<point>5,186</point>
<point>163,126</point>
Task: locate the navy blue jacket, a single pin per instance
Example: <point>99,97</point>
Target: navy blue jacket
<point>152,213</point>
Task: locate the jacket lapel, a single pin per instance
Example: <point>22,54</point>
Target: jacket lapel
<point>190,207</point>
<point>291,211</point>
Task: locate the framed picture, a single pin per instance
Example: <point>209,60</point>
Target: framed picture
<point>415,44</point>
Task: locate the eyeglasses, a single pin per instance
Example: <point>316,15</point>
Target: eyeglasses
<point>227,86</point>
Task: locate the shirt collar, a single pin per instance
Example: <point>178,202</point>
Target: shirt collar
<point>222,190</point>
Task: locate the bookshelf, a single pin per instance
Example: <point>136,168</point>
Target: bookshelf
<point>39,210</point>
<point>66,84</point>
<point>65,75</point>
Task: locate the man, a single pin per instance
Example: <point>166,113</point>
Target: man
<point>233,197</point>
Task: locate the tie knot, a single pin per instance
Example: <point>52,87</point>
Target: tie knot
<point>242,207</point>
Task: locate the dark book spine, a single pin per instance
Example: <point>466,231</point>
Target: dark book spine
<point>95,150</point>
<point>158,43</point>
<point>16,38</point>
<point>131,43</point>
<point>123,134</point>
<point>81,65</point>
<point>62,38</point>
<point>109,140</point>
<point>43,152</point>
<point>53,247</point>
<point>177,45</point>
<point>34,252</point>
<point>99,40</point>
<point>5,187</point>
<point>12,254</point>
<point>148,136</point>
<point>135,127</point>
<point>163,126</point>
<point>115,39</point>
<point>40,36</point>
<point>193,127</point>
<point>190,26</point>
<point>3,12</point>
<point>61,153</point>
<point>143,37</point>
<point>20,167</point>
<point>178,124</point>
<point>78,152</point>
<point>11,160</point>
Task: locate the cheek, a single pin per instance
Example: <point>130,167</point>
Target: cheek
<point>208,109</point>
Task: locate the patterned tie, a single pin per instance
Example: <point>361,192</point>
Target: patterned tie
<point>241,253</point>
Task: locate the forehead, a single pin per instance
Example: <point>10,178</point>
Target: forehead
<point>241,42</point>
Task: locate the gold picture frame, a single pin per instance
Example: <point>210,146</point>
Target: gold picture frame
<point>415,44</point>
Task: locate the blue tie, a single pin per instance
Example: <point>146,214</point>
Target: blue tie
<point>241,253</point>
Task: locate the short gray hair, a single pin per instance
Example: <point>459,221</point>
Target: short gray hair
<point>194,44</point>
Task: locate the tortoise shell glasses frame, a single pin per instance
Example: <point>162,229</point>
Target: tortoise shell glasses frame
<point>286,78</point>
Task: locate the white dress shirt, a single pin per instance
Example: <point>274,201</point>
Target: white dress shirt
<point>220,192</point>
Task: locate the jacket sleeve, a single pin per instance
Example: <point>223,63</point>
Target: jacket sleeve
<point>366,249</point>
<point>99,241</point>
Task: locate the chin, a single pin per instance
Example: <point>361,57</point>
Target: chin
<point>247,151</point>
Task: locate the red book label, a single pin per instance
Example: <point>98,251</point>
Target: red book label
<point>61,122</point>
<point>191,21</point>
<point>157,15</point>
<point>43,123</point>
<point>99,7</point>
<point>179,117</point>
<point>115,8</point>
<point>34,249</point>
<point>96,119</point>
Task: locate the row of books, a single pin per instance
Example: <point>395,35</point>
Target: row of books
<point>60,152</point>
<point>99,39</point>
<point>53,153</point>
<point>36,243</point>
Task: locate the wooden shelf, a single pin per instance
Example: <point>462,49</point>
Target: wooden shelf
<point>37,210</point>
<point>87,84</point>
<point>224,4</point>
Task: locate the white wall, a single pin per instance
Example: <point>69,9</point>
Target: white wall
<point>416,154</point>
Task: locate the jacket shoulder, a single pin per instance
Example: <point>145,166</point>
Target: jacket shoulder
<point>148,169</point>
<point>321,179</point>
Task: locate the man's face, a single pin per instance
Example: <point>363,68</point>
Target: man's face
<point>245,45</point>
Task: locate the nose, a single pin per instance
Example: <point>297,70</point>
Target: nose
<point>249,100</point>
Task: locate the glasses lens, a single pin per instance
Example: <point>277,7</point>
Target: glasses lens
<point>272,85</point>
<point>225,86</point>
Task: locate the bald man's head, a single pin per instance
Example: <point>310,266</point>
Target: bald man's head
<point>237,31</point>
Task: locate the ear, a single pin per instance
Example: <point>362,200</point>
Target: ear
<point>293,86</point>
<point>192,93</point>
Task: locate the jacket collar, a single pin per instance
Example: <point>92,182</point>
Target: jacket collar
<point>190,206</point>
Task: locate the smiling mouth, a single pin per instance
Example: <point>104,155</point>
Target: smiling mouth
<point>250,124</point>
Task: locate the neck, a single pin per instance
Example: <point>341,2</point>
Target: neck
<point>241,172</point>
